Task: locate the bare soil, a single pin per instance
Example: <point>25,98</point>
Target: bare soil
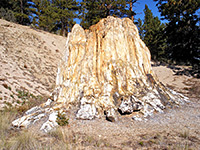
<point>29,60</point>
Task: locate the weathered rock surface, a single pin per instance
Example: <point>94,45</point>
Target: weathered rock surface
<point>105,70</point>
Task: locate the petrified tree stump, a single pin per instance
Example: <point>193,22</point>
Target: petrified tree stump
<point>106,70</point>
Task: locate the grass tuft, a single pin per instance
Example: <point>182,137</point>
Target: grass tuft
<point>62,120</point>
<point>6,117</point>
<point>141,143</point>
<point>24,140</point>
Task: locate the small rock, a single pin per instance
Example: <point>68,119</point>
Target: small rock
<point>137,118</point>
<point>126,105</point>
<point>87,112</point>
<point>111,115</point>
<point>32,110</point>
<point>51,123</point>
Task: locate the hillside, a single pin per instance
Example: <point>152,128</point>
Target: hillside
<point>28,61</point>
<point>28,66</point>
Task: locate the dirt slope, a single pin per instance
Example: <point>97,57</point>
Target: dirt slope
<point>28,61</point>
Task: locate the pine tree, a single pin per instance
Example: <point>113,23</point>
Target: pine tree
<point>7,14</point>
<point>44,15</point>
<point>36,10</point>
<point>94,10</point>
<point>66,12</point>
<point>140,28</point>
<point>5,4</point>
<point>16,11</point>
<point>21,11</point>
<point>55,15</point>
<point>183,29</point>
<point>154,35</point>
<point>130,9</point>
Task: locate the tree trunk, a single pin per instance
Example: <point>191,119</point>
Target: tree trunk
<point>21,7</point>
<point>106,71</point>
<point>131,10</point>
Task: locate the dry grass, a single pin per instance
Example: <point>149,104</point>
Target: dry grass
<point>60,138</point>
<point>6,117</point>
<point>67,137</point>
<point>24,140</point>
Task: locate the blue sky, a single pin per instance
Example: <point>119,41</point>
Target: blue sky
<point>139,7</point>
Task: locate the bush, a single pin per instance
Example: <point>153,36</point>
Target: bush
<point>61,119</point>
<point>7,14</point>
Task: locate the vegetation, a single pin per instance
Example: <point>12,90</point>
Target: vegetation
<point>152,32</point>
<point>16,11</point>
<point>27,101</point>
<point>93,11</point>
<point>182,31</point>
<point>55,15</point>
<point>61,119</point>
<point>65,138</point>
<point>177,41</point>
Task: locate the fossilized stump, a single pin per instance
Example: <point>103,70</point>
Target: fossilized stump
<point>106,71</point>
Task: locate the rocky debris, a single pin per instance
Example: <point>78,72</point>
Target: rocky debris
<point>106,70</point>
<point>111,115</point>
<point>50,123</point>
<point>87,111</point>
<point>130,104</point>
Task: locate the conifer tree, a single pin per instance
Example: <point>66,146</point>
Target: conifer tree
<point>55,15</point>
<point>21,11</point>
<point>131,12</point>
<point>154,35</point>
<point>15,10</point>
<point>66,13</point>
<point>183,29</point>
<point>45,15</point>
<point>94,10</point>
<point>36,11</point>
<point>5,4</point>
<point>140,28</point>
<point>7,14</point>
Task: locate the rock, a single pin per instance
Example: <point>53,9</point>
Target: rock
<point>107,68</point>
<point>130,104</point>
<point>51,123</point>
<point>111,115</point>
<point>126,105</point>
<point>87,111</point>
<point>137,118</point>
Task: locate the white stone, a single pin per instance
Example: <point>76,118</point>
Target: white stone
<point>50,123</point>
<point>87,111</point>
<point>32,110</point>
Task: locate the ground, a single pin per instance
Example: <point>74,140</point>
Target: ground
<point>177,128</point>
<point>28,63</point>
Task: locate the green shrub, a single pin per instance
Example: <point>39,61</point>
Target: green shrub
<point>7,14</point>
<point>61,119</point>
<point>141,143</point>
